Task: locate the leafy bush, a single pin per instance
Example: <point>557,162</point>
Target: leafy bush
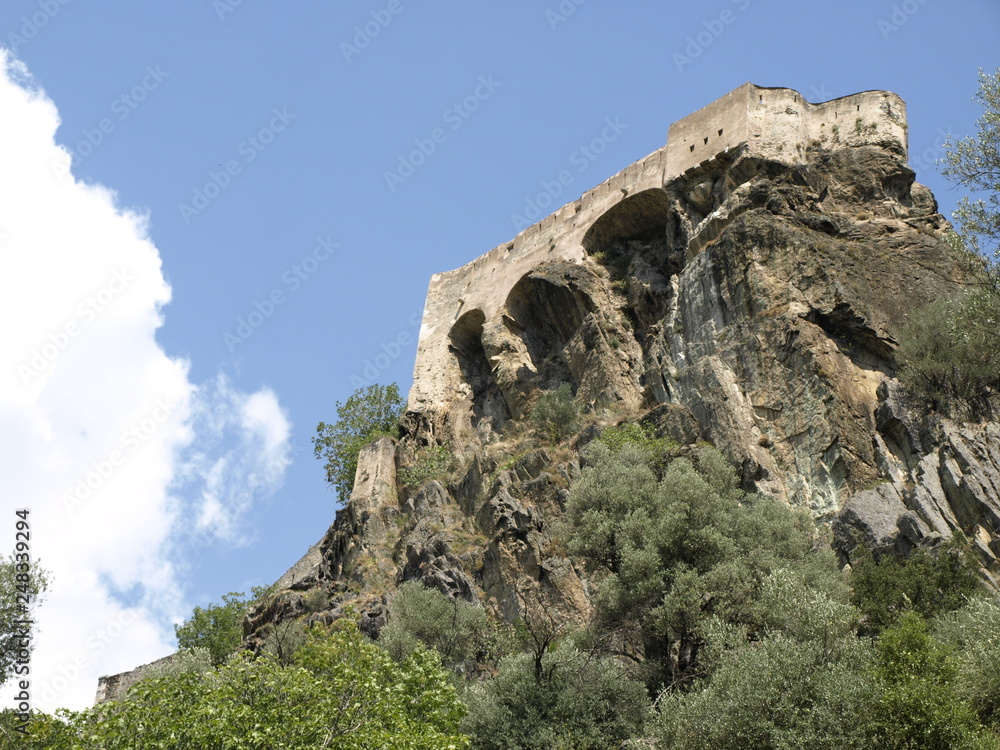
<point>342,692</point>
<point>421,616</point>
<point>919,705</point>
<point>928,583</point>
<point>974,633</point>
<point>950,349</point>
<point>367,415</point>
<point>578,701</point>
<point>640,435</point>
<point>671,553</point>
<point>197,660</point>
<point>432,463</point>
<point>556,416</point>
<point>16,580</point>
<point>779,693</point>
<point>218,628</point>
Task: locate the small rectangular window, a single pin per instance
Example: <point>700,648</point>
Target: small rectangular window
<point>706,140</point>
<point>692,147</point>
<point>720,131</point>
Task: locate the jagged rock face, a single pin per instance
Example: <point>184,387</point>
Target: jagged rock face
<point>755,306</point>
<point>776,330</point>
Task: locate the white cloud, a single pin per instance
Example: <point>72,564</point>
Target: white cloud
<point>104,435</point>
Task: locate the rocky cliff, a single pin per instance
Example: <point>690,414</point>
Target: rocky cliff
<point>751,300</point>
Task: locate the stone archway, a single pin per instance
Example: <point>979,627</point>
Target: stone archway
<point>465,342</point>
<point>637,217</point>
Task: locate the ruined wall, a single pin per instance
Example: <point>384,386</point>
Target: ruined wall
<point>773,123</point>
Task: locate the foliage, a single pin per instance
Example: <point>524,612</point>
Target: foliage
<point>919,705</point>
<point>344,693</point>
<point>422,616</point>
<point>578,701</point>
<point>640,435</point>
<point>928,583</point>
<point>367,415</point>
<point>974,633</point>
<point>218,627</point>
<point>950,348</point>
<point>432,463</point>
<point>197,660</point>
<point>42,732</point>
<point>22,584</point>
<point>671,553</point>
<point>284,639</point>
<point>974,162</point>
<point>556,415</point>
<point>778,693</point>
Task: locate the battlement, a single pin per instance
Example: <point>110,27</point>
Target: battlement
<point>772,123</point>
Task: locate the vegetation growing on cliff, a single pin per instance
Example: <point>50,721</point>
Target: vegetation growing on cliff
<point>950,349</point>
<point>368,414</point>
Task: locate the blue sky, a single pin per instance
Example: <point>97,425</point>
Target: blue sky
<point>289,176</point>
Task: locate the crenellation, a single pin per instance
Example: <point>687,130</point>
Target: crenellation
<point>772,123</point>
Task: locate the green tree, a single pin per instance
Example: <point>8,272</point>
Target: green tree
<point>367,415</point>
<point>422,616</point>
<point>42,732</point>
<point>577,701</point>
<point>919,705</point>
<point>218,628</point>
<point>974,163</point>
<point>951,348</point>
<point>342,693</point>
<point>22,584</point>
<point>776,694</point>
<point>671,553</point>
<point>928,583</point>
<point>973,632</point>
<point>556,415</point>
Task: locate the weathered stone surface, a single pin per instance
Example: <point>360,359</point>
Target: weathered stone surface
<point>743,285</point>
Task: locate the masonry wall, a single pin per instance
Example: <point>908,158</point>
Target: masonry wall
<point>773,123</point>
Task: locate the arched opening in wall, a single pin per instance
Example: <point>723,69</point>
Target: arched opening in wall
<point>641,216</point>
<point>547,316</point>
<point>465,342</point>
<point>631,240</point>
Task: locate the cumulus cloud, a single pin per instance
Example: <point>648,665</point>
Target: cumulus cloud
<point>106,441</point>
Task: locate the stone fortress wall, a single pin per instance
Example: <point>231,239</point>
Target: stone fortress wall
<point>775,123</point>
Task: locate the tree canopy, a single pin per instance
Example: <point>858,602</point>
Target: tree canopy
<point>368,414</point>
